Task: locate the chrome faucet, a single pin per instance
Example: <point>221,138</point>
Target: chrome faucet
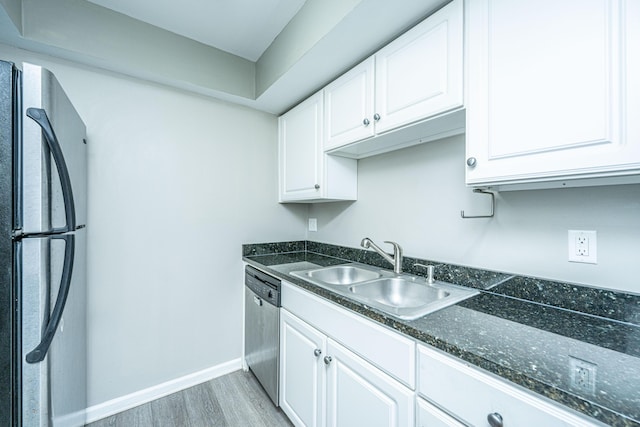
<point>396,260</point>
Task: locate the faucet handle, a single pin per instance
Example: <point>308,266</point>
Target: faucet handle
<point>396,247</point>
<point>430,269</point>
<point>397,257</point>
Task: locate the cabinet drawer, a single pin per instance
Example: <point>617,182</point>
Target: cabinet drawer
<point>384,348</point>
<point>472,395</point>
<point>428,415</point>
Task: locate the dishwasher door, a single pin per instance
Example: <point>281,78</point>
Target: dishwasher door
<point>262,341</point>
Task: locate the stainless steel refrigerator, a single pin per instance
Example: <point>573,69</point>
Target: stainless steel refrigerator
<point>43,205</point>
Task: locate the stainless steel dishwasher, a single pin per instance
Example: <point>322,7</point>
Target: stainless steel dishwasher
<point>262,329</point>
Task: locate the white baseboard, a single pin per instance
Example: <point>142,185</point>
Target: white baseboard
<point>76,419</point>
<point>120,404</point>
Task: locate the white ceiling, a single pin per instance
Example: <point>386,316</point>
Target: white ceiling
<point>244,28</point>
<point>323,44</point>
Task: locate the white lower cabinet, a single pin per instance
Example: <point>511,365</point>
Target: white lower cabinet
<point>474,396</point>
<point>340,369</point>
<point>302,378</point>
<point>359,394</point>
<point>323,383</point>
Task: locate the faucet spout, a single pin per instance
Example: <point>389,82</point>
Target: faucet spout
<point>396,260</point>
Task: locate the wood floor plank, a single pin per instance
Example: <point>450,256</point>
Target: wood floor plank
<point>234,404</point>
<point>170,411</point>
<point>233,400</point>
<point>138,416</point>
<point>203,407</point>
<point>244,401</point>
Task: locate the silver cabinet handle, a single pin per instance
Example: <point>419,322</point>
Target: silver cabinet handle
<point>472,162</point>
<point>366,122</point>
<point>317,186</point>
<point>327,360</point>
<point>495,420</point>
<point>376,117</point>
<point>317,352</point>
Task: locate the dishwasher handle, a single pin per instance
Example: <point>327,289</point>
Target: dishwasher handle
<point>257,301</point>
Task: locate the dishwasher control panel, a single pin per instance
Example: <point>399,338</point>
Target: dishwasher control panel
<point>264,286</point>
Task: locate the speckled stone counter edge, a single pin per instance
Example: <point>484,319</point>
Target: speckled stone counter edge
<point>287,252</point>
<point>619,306</point>
<point>470,277</point>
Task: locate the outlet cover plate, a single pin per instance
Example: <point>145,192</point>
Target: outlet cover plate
<point>583,246</point>
<point>582,375</point>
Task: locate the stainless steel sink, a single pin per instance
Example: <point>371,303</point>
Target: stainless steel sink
<point>341,274</point>
<point>403,296</point>
<point>399,292</point>
<point>408,297</point>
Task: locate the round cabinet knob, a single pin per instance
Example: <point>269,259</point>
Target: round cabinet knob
<point>317,186</point>
<point>366,122</point>
<point>495,420</point>
<point>317,352</point>
<point>472,162</point>
<point>376,117</point>
<point>327,360</point>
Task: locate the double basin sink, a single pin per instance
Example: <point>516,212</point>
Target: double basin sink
<point>403,296</point>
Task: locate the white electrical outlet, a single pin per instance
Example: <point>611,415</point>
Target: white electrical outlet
<point>582,375</point>
<point>313,224</point>
<point>583,246</point>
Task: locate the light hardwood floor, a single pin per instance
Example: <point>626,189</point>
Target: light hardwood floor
<point>236,399</point>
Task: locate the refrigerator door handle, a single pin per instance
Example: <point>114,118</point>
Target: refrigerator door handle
<point>40,117</point>
<point>37,354</point>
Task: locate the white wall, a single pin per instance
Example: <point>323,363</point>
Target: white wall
<point>177,184</point>
<point>414,196</point>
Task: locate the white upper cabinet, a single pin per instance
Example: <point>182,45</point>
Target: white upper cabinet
<point>415,78</point>
<point>553,90</point>
<point>420,74</point>
<point>300,150</point>
<point>306,174</point>
<point>349,107</point>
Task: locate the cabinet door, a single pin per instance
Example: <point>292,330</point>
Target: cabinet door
<point>302,377</point>
<point>348,104</point>
<point>420,73</point>
<point>548,95</point>
<point>358,394</point>
<point>300,150</point>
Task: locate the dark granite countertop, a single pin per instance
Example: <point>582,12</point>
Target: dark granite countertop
<point>523,329</point>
